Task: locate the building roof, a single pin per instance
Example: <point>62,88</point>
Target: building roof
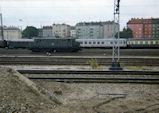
<point>11,28</point>
<point>94,23</point>
<point>143,21</point>
<point>155,20</point>
<point>61,25</point>
<point>47,27</point>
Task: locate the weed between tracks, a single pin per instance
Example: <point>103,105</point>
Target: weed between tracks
<point>134,68</point>
<point>94,64</point>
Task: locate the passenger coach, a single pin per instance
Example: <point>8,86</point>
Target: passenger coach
<point>100,43</point>
<point>143,43</point>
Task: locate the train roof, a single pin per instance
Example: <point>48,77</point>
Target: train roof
<point>107,39</point>
<point>49,38</point>
<point>21,40</point>
<point>133,39</point>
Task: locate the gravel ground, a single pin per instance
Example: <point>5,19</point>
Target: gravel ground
<point>18,94</point>
<point>75,67</point>
<point>104,98</point>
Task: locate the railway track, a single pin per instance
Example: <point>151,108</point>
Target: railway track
<point>74,76</point>
<point>84,52</point>
<point>70,60</point>
<point>88,72</point>
<point>92,79</point>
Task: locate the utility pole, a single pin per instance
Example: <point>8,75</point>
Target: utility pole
<point>116,46</point>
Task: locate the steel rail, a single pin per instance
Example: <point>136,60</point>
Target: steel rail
<point>147,61</point>
<point>91,79</point>
<point>88,72</point>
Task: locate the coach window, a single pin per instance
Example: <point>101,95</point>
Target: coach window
<point>85,42</point>
<point>98,42</point>
<point>89,42</point>
<point>102,42</point>
<point>94,42</point>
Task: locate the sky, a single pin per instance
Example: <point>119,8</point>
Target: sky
<point>47,12</point>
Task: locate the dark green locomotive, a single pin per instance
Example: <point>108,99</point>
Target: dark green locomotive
<point>20,43</point>
<point>43,44</point>
<point>55,45</point>
<point>3,43</point>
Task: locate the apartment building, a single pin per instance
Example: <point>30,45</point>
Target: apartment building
<point>47,31</point>
<point>73,32</point>
<point>96,30</point>
<point>61,30</point>
<point>11,33</point>
<point>144,28</point>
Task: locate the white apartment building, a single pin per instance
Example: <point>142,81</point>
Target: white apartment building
<point>73,32</point>
<point>110,29</point>
<point>11,33</point>
<point>96,30</point>
<point>47,31</point>
<point>61,30</point>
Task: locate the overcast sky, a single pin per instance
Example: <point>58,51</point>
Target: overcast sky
<point>46,12</point>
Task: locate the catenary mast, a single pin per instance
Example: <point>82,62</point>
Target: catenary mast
<point>116,48</point>
<point>1,25</point>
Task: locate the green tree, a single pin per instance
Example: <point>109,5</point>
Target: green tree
<point>126,33</point>
<point>29,32</point>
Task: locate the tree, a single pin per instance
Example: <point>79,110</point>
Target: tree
<point>29,32</point>
<point>126,33</point>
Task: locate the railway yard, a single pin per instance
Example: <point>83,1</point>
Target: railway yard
<point>69,83</point>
